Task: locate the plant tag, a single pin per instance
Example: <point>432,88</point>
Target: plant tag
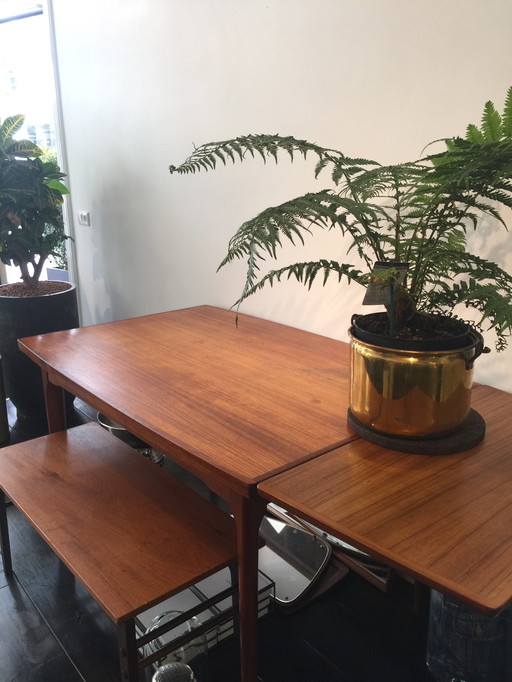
<point>383,275</point>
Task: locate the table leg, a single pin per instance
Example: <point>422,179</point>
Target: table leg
<point>248,513</point>
<point>54,401</point>
<point>5,544</point>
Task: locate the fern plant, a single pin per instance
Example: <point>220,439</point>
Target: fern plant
<point>418,213</point>
<point>31,196</point>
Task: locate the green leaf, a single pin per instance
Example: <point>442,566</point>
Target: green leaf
<point>265,146</point>
<point>474,134</point>
<point>506,118</point>
<point>57,185</point>
<point>305,273</point>
<point>491,123</point>
<point>10,127</point>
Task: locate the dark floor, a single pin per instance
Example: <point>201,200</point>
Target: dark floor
<point>52,631</point>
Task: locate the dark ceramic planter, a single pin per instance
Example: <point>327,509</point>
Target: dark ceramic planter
<point>21,317</point>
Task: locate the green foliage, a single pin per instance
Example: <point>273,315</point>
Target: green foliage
<point>418,213</point>
<point>494,126</point>
<point>11,148</point>
<point>31,196</point>
<point>208,156</point>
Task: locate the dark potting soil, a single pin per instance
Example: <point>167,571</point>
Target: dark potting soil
<point>21,290</point>
<point>418,328</point>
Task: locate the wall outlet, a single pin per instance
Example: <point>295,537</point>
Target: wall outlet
<point>84,218</point>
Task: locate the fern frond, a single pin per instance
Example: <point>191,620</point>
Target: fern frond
<point>485,286</point>
<point>345,168</point>
<point>474,134</point>
<point>494,127</point>
<point>206,156</point>
<point>473,167</point>
<point>506,117</point>
<point>491,123</point>
<point>383,181</point>
<point>493,304</point>
<point>305,273</point>
<point>294,219</point>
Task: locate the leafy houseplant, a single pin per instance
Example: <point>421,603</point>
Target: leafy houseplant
<point>31,230</point>
<point>418,213</point>
<point>407,226</point>
<point>31,196</point>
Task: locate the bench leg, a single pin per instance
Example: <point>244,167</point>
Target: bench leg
<point>126,640</point>
<point>233,570</point>
<point>5,545</point>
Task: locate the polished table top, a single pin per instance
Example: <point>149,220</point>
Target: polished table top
<point>236,403</point>
<point>443,519</point>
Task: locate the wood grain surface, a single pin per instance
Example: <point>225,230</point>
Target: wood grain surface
<point>131,533</point>
<point>236,402</point>
<point>443,519</point>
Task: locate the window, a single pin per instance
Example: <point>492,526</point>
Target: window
<point>27,84</point>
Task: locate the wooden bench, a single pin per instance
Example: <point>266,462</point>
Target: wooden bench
<point>130,532</point>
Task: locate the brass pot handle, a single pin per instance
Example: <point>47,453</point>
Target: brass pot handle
<point>474,352</point>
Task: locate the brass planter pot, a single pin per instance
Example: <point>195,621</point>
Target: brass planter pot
<point>411,393</point>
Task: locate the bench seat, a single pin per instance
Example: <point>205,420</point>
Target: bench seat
<point>130,532</point>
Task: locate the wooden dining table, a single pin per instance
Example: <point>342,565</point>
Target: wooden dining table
<point>233,403</point>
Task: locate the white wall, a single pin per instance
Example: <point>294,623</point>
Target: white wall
<point>144,80</point>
